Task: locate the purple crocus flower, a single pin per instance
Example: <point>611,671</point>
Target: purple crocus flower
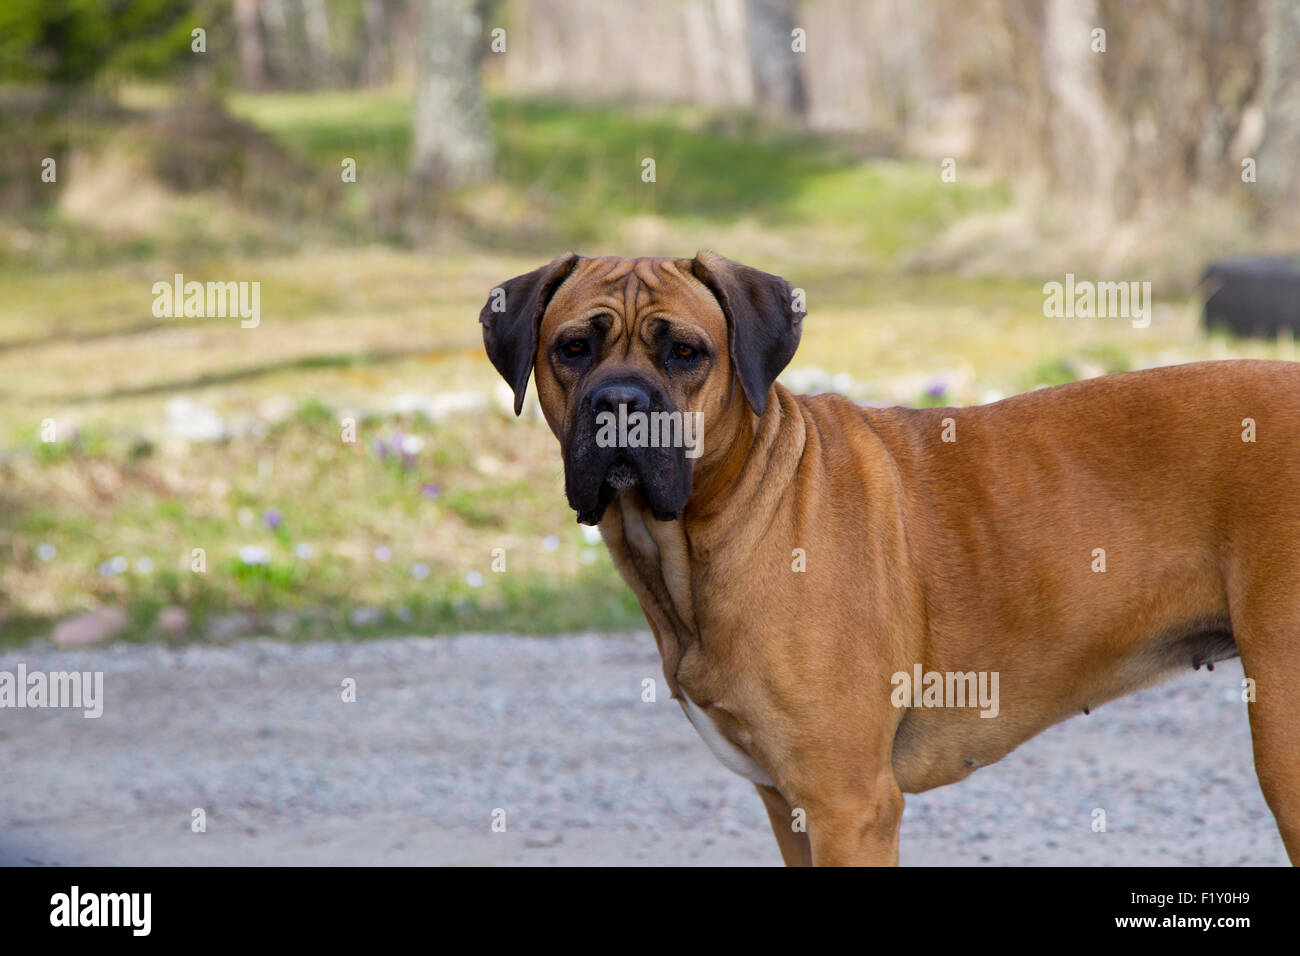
<point>937,389</point>
<point>410,446</point>
<point>273,518</point>
<point>430,490</point>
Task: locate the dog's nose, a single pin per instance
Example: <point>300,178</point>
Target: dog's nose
<point>607,398</point>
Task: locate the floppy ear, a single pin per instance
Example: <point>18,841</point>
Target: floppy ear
<point>763,328</point>
<point>512,316</point>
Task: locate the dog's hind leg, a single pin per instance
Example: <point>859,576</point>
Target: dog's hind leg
<point>1269,642</point>
<point>1275,734</point>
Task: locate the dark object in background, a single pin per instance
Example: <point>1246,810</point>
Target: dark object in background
<point>1256,296</point>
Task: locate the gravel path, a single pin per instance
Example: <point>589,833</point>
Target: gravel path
<point>553,731</point>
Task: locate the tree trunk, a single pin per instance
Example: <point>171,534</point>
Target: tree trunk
<point>452,143</point>
<point>248,33</point>
<point>1278,175</point>
<point>374,63</point>
<point>778,78</point>
<point>1088,142</point>
<point>317,28</point>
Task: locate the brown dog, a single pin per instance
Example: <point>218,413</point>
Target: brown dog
<point>844,596</point>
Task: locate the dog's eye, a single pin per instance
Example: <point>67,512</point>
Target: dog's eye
<point>575,349</point>
<point>684,352</point>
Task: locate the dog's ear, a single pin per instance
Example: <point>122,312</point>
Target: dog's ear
<point>512,316</point>
<point>763,327</point>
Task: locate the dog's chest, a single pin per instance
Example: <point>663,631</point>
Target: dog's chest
<point>656,556</point>
<point>728,754</point>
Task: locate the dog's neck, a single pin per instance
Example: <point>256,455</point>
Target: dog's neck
<point>663,561</point>
<point>717,470</point>
<point>760,458</point>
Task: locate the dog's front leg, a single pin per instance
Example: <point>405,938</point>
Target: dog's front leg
<point>856,827</point>
<point>790,829</point>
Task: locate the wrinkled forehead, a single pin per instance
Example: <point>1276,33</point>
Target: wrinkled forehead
<point>634,290</point>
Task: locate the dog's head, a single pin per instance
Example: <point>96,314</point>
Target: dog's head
<point>637,363</point>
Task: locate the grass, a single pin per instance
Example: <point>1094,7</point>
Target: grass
<point>357,326</point>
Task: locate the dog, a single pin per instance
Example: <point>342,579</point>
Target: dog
<point>815,572</point>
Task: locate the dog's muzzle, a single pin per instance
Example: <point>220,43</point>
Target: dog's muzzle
<point>616,444</point>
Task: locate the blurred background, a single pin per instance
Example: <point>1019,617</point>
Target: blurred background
<point>378,166</point>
